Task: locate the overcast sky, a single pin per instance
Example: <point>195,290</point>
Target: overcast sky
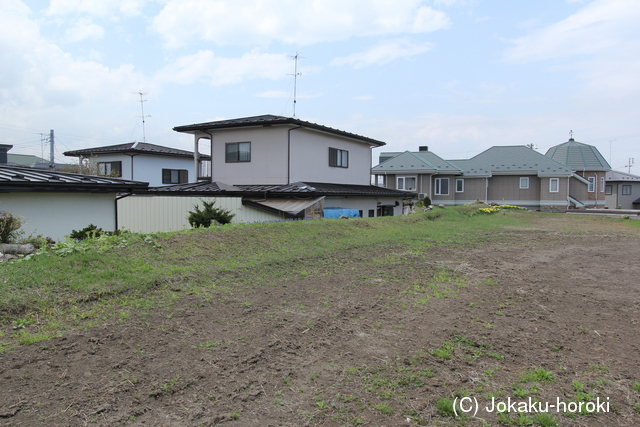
<point>456,75</point>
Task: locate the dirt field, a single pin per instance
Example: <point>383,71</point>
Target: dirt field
<point>378,339</point>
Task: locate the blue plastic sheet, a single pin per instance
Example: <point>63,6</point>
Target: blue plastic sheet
<point>338,212</point>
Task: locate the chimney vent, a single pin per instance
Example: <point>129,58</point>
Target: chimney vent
<point>3,153</point>
<point>423,148</point>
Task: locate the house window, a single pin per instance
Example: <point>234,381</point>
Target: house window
<point>592,184</point>
<point>110,169</point>
<point>608,189</point>
<point>459,185</point>
<point>442,187</point>
<point>338,158</point>
<point>175,176</point>
<point>236,152</point>
<point>601,184</point>
<point>372,213</point>
<point>626,189</point>
<point>407,183</point>
<point>554,185</point>
<point>524,183</point>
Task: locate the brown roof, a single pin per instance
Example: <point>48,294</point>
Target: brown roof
<point>269,120</point>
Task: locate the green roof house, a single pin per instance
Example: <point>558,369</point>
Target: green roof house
<point>513,175</point>
<point>587,162</point>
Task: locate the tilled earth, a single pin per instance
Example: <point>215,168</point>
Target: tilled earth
<point>376,338</point>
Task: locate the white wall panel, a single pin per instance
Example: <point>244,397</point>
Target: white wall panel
<point>149,214</point>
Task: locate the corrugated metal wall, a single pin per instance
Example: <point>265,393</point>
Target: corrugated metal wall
<point>150,214</point>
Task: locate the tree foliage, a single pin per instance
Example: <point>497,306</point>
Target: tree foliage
<point>204,217</point>
<point>8,226</point>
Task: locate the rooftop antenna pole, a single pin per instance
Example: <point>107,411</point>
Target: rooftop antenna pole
<point>52,163</point>
<point>570,135</point>
<point>295,81</point>
<point>631,162</point>
<point>142,101</point>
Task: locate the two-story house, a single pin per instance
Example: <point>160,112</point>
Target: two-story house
<point>284,167</point>
<point>141,161</point>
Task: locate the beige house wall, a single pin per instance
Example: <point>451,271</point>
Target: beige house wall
<point>272,163</point>
<point>442,198</point>
<point>310,158</point>
<point>554,201</point>
<point>151,214</point>
<point>503,189</point>
<point>595,198</point>
<point>474,189</point>
<point>268,163</point>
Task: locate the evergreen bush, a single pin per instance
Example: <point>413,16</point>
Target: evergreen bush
<point>209,213</point>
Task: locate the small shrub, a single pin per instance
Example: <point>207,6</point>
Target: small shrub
<point>89,232</point>
<point>8,227</point>
<point>204,217</point>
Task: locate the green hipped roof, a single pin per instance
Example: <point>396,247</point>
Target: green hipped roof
<point>412,162</point>
<point>24,159</point>
<point>578,156</point>
<point>511,160</point>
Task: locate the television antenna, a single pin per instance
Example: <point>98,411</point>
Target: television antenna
<point>630,164</point>
<point>295,80</point>
<point>142,101</point>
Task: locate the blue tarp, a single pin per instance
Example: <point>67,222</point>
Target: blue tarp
<point>338,212</point>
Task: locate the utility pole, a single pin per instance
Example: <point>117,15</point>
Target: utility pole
<point>52,163</point>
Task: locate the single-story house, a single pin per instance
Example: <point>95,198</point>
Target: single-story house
<point>622,190</point>
<point>51,203</point>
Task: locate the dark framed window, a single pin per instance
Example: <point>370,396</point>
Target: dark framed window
<point>608,190</point>
<point>110,169</point>
<point>406,183</point>
<point>372,213</point>
<point>626,189</point>
<point>460,185</point>
<point>236,152</point>
<point>175,176</point>
<point>442,186</point>
<point>338,158</point>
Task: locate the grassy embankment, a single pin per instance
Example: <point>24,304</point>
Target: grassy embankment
<point>82,284</point>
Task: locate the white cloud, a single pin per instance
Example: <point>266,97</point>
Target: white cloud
<point>596,28</point>
<point>44,76</point>
<point>384,52</point>
<point>251,22</point>
<point>599,44</point>
<point>363,98</point>
<point>100,8</point>
<point>206,66</point>
<point>84,29</point>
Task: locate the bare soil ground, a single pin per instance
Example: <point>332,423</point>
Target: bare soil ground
<point>373,338</point>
